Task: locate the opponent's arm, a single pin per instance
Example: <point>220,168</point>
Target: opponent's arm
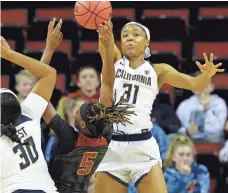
<point>106,44</point>
<point>54,38</point>
<point>167,74</point>
<point>46,75</point>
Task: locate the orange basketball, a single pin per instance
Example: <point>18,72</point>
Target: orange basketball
<point>90,14</point>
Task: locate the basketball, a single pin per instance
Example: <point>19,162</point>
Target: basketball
<point>90,14</point>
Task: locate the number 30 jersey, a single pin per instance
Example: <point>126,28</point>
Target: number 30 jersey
<point>24,166</point>
<point>138,87</point>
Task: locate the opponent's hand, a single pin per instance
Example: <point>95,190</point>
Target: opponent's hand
<point>209,68</point>
<point>54,35</point>
<point>5,49</point>
<point>105,33</point>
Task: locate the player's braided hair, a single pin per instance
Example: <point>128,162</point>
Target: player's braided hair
<point>117,113</point>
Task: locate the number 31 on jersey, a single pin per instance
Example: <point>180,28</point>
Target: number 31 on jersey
<point>131,93</point>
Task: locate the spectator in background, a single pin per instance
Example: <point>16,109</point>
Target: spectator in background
<point>67,109</point>
<point>203,115</point>
<point>182,173</point>
<point>88,82</point>
<point>24,84</point>
<point>223,154</point>
<point>161,138</point>
<point>164,115</point>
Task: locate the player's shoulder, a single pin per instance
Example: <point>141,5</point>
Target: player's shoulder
<point>34,106</point>
<point>148,65</point>
<point>161,68</point>
<point>34,96</point>
<point>23,119</point>
<point>84,140</point>
<point>58,122</point>
<point>120,62</point>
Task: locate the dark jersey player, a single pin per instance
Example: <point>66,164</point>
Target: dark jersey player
<point>81,149</point>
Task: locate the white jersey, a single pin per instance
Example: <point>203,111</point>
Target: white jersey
<point>24,166</point>
<point>138,87</point>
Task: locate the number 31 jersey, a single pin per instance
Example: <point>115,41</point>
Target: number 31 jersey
<point>24,166</point>
<point>138,87</point>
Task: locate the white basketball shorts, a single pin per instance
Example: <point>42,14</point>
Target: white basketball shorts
<point>131,160</point>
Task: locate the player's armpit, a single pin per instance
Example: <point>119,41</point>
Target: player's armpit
<point>167,74</point>
<point>49,113</point>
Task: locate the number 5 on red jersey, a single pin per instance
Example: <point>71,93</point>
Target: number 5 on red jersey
<point>87,163</point>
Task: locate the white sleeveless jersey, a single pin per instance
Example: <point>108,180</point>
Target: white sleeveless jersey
<point>138,87</point>
<point>24,166</point>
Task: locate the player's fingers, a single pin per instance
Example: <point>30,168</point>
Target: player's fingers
<point>103,30</point>
<point>49,26</point>
<point>60,24</point>
<point>198,64</point>
<point>61,36</point>
<point>4,42</point>
<point>218,65</point>
<point>100,27</point>
<point>100,30</point>
<point>100,36</point>
<point>53,22</point>
<point>205,57</point>
<point>3,39</point>
<point>58,28</point>
<point>106,26</point>
<point>211,57</point>
<point>220,70</point>
<point>109,25</point>
<point>52,25</point>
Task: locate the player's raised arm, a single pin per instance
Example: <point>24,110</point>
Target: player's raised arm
<point>117,53</point>
<point>106,41</point>
<point>53,40</point>
<point>167,74</point>
<point>46,75</point>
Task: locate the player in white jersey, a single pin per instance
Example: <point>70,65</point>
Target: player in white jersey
<point>133,153</point>
<point>23,167</point>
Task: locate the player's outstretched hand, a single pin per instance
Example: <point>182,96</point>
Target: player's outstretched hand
<point>105,32</point>
<point>5,49</point>
<point>209,68</point>
<point>54,34</point>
